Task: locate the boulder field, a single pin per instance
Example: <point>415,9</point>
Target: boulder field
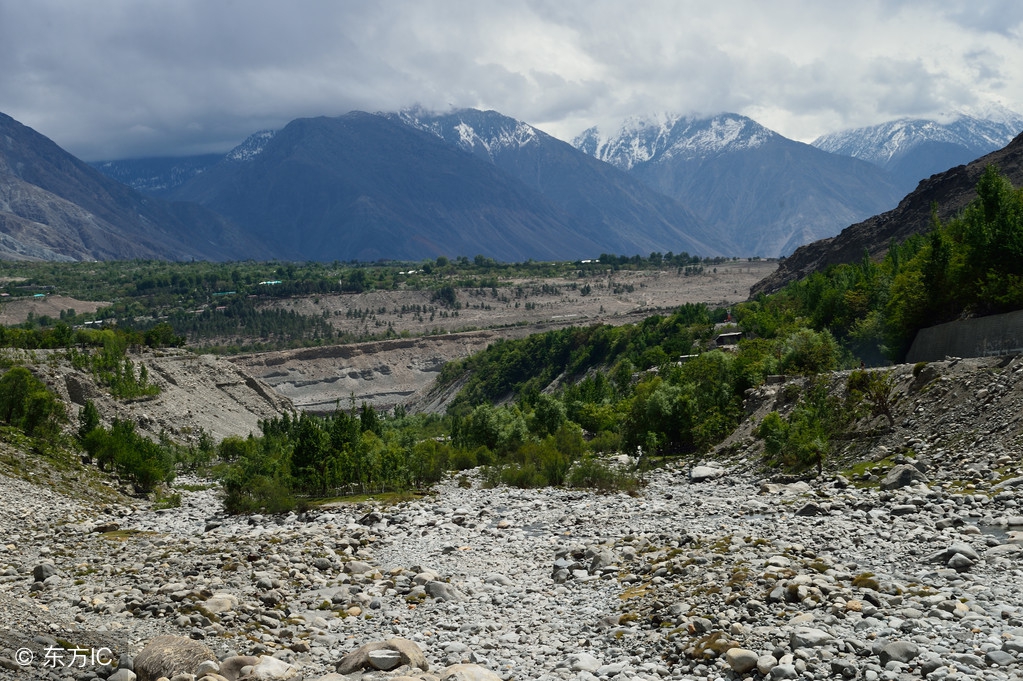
<point>717,576</point>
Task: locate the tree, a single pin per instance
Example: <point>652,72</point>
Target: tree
<point>25,403</point>
<point>809,352</point>
<point>88,419</point>
<point>548,415</point>
<point>315,466</point>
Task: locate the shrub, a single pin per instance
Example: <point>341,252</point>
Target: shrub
<point>774,431</point>
<point>802,441</point>
<point>876,389</point>
<point>524,476</point>
<point>25,403</point>
<point>596,474</point>
<point>809,352</point>
<point>605,442</point>
<point>136,458</point>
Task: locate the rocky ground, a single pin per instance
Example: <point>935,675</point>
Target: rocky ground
<point>714,572</point>
<point>726,577</point>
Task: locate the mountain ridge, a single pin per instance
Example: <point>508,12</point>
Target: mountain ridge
<point>328,188</point>
<point>914,149</point>
<point>949,191</point>
<point>618,211</point>
<point>55,206</point>
<point>765,192</point>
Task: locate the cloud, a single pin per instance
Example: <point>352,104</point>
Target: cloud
<point>110,78</point>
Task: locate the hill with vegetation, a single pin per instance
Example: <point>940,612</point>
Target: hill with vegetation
<point>948,192</point>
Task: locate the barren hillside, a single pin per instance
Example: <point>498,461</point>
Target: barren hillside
<point>197,392</point>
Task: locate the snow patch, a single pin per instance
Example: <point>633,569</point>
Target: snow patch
<point>252,146</point>
<point>664,136</point>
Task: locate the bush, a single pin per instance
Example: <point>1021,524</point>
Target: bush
<point>605,442</point>
<point>774,431</point>
<point>803,440</point>
<point>26,404</point>
<point>524,476</point>
<point>877,389</point>
<point>596,474</point>
<point>134,457</point>
<point>809,352</point>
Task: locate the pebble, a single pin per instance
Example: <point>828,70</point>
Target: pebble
<point>725,576</point>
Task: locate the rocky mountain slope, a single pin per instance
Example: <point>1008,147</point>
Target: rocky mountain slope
<point>160,176</point>
<point>911,571</point>
<point>950,191</point>
<point>55,207</point>
<point>766,193</point>
<point>914,149</point>
<point>197,393</point>
<point>156,176</point>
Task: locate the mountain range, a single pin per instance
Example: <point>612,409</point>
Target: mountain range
<point>764,192</point>
<point>912,150</point>
<point>367,186</point>
<point>414,185</point>
<point>614,208</point>
<point>56,207</point>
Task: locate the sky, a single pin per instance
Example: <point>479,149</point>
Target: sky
<point>110,79</point>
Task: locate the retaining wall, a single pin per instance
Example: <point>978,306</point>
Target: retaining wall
<point>1000,334</point>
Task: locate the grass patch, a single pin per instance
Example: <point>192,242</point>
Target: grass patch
<point>125,535</point>
<point>854,472</point>
<point>637,591</point>
<point>383,498</point>
<point>712,645</point>
<point>168,501</point>
<point>866,580</point>
<point>198,487</point>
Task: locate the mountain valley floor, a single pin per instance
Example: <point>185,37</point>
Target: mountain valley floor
<point>906,567</point>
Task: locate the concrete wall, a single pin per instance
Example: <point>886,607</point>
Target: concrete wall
<point>1000,334</point>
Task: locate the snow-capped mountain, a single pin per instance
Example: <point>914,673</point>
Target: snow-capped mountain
<point>766,193</point>
<point>369,186</point>
<point>912,149</point>
<point>617,210</point>
<point>251,147</point>
<point>484,133</point>
<point>668,136</point>
<point>948,193</point>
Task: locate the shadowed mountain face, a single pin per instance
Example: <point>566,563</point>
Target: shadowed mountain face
<point>765,193</point>
<point>56,207</point>
<point>950,191</point>
<point>365,186</point>
<point>157,176</point>
<point>612,208</point>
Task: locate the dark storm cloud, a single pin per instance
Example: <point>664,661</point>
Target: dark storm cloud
<point>113,78</point>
